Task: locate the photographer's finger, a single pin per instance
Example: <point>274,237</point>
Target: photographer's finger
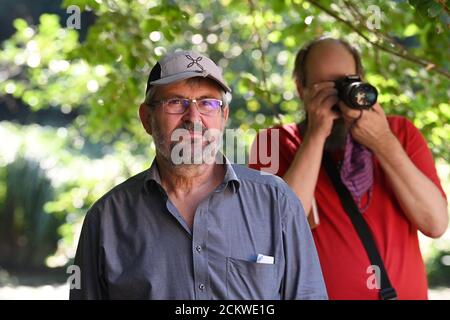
<point>361,113</point>
<point>377,108</point>
<point>335,115</point>
<point>330,101</point>
<point>347,111</point>
<point>324,94</point>
<point>318,87</point>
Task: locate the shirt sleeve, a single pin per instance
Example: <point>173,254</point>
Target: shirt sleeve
<point>303,279</point>
<point>88,260</point>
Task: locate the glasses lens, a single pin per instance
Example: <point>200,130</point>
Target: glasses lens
<point>174,105</point>
<point>209,105</point>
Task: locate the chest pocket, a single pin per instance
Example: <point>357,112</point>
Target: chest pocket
<point>251,280</point>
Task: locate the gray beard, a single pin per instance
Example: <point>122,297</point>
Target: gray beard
<point>164,148</point>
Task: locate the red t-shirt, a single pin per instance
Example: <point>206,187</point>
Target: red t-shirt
<point>343,258</point>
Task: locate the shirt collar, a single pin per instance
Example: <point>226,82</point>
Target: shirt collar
<point>230,178</point>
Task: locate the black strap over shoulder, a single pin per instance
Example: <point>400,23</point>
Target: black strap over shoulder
<point>387,292</point>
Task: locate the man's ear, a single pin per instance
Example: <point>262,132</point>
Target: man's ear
<point>144,115</point>
<point>300,88</point>
<point>226,112</point>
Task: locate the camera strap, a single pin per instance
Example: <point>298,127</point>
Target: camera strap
<point>387,292</point>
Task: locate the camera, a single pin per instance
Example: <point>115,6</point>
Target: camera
<point>355,93</point>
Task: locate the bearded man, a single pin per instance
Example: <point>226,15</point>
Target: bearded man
<point>195,226</point>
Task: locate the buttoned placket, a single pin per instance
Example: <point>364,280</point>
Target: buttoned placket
<point>198,236</point>
<point>199,252</point>
<point>199,249</point>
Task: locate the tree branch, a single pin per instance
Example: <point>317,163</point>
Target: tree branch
<point>428,65</point>
<point>444,5</point>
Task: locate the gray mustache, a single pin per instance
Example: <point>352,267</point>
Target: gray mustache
<point>195,127</point>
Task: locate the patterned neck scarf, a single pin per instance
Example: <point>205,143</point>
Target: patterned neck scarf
<point>357,171</point>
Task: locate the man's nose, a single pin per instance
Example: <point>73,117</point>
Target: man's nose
<point>192,114</point>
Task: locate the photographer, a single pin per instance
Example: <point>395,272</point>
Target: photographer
<point>367,181</point>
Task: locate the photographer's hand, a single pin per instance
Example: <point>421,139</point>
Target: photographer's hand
<point>369,127</point>
<point>319,101</point>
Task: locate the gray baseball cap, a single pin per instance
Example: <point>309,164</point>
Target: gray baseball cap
<point>183,65</point>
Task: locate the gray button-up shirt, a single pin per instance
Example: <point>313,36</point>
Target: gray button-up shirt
<point>135,245</point>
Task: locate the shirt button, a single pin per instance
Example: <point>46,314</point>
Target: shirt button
<point>201,286</point>
<point>198,248</point>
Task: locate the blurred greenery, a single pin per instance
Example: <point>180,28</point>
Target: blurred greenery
<point>27,232</point>
<point>102,79</point>
<point>438,268</point>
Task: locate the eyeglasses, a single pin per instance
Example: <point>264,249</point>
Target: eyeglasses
<point>205,106</point>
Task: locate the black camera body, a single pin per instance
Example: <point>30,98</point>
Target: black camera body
<point>355,93</point>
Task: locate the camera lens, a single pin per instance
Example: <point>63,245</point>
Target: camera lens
<point>355,93</point>
<point>363,95</point>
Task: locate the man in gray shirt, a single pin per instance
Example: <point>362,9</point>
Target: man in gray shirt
<point>195,226</point>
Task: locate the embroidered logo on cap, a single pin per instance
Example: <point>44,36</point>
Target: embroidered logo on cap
<point>194,62</point>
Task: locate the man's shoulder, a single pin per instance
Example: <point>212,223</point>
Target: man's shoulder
<point>261,178</point>
<point>266,184</point>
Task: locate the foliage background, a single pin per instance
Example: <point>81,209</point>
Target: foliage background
<point>69,97</point>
